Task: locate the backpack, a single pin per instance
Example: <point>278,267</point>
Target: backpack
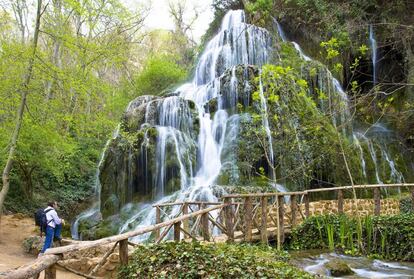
<point>41,220</point>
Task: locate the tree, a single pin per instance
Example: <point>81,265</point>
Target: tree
<point>20,113</point>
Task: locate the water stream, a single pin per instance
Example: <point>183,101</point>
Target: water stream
<point>361,266</point>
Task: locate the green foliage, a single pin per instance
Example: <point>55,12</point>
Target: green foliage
<point>261,7</point>
<point>87,68</point>
<point>159,73</point>
<point>195,260</point>
<point>389,237</point>
<point>406,205</point>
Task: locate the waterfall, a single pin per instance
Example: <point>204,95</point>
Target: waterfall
<point>94,210</point>
<point>265,121</point>
<point>361,154</point>
<point>376,146</point>
<point>280,30</point>
<point>236,43</point>
<point>374,50</point>
<point>183,143</point>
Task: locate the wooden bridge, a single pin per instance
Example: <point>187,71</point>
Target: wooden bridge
<point>239,217</point>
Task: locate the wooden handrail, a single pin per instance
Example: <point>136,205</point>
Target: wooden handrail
<point>258,195</point>
<point>31,269</point>
<point>52,255</point>
<point>186,202</point>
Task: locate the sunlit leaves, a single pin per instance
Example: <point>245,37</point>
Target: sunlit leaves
<point>363,49</point>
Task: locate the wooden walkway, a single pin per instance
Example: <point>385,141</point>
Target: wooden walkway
<point>243,217</point>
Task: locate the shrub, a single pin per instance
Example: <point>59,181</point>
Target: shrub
<point>159,73</point>
<point>195,260</point>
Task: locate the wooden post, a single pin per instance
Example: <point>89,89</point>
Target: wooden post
<point>228,211</point>
<point>123,252</point>
<point>205,230</point>
<point>340,202</point>
<point>248,216</point>
<point>377,201</point>
<point>177,231</point>
<point>186,225</point>
<point>50,272</point>
<point>293,208</point>
<point>263,228</point>
<point>281,201</point>
<point>306,198</point>
<point>157,221</point>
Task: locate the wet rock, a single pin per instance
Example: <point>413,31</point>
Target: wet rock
<point>337,267</point>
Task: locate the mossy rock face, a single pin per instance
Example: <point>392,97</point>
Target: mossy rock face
<point>102,229</point>
<point>338,268</point>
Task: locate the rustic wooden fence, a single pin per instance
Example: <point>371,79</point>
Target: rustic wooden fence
<point>244,217</point>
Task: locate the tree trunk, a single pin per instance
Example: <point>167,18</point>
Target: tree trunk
<point>20,112</point>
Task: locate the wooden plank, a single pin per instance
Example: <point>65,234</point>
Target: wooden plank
<point>293,210</point>
<point>306,198</point>
<point>263,229</point>
<point>205,230</point>
<point>186,225</point>
<point>33,268</point>
<point>229,217</point>
<point>106,240</point>
<point>248,214</point>
<point>281,200</point>
<point>340,201</point>
<point>157,221</point>
<point>177,231</point>
<point>377,201</point>
<point>50,272</point>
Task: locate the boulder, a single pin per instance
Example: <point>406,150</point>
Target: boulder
<point>337,268</point>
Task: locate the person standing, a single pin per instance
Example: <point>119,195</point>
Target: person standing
<point>53,227</point>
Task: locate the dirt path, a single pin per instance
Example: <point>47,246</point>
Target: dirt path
<point>13,230</point>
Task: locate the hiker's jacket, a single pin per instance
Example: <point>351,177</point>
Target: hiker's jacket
<point>52,217</point>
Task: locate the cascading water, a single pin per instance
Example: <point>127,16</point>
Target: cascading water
<point>178,147</point>
<point>265,121</point>
<point>374,50</point>
<point>236,43</point>
<point>378,152</point>
<point>361,155</point>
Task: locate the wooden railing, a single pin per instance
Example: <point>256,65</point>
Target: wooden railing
<point>53,255</point>
<point>238,216</point>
